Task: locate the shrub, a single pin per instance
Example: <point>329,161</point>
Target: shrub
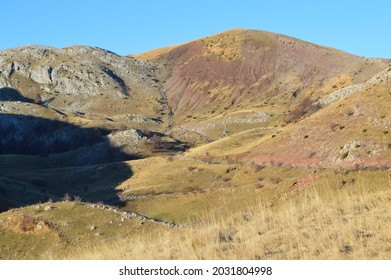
<point>275,180</point>
<point>27,223</point>
<point>67,197</point>
<point>170,158</point>
<point>191,168</point>
<point>258,167</point>
<point>306,107</point>
<point>344,155</point>
<point>226,236</point>
<point>156,141</point>
<point>38,99</point>
<point>333,126</point>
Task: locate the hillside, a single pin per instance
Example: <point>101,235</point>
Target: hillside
<point>214,147</point>
<point>350,132</point>
<point>240,71</point>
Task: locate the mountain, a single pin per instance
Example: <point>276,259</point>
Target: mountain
<point>203,138</point>
<point>86,86</point>
<point>241,68</point>
<point>252,77</point>
<point>243,79</point>
<point>96,79</point>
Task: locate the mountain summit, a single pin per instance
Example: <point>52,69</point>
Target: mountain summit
<point>244,67</point>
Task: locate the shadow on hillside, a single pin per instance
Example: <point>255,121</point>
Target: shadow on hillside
<point>42,159</point>
<point>11,94</point>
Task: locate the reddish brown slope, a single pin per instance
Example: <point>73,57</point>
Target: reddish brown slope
<point>354,132</point>
<point>244,67</point>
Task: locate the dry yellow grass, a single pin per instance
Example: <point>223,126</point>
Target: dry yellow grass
<point>325,220</point>
<point>238,143</point>
<point>216,44</point>
<point>183,188</point>
<point>226,45</point>
<point>155,53</point>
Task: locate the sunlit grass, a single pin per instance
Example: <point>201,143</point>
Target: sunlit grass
<point>322,221</point>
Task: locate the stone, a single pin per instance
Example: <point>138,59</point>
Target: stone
<point>42,74</point>
<point>8,69</point>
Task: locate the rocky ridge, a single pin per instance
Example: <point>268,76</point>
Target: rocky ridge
<point>79,78</point>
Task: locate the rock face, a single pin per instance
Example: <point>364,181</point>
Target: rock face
<point>78,105</point>
<point>42,75</point>
<point>81,78</point>
<point>32,135</point>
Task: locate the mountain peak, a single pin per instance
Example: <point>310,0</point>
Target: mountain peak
<point>229,67</point>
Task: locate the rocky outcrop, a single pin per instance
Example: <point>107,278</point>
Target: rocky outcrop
<point>382,77</point>
<point>338,94</point>
<point>80,78</point>
<point>42,75</point>
<point>127,215</point>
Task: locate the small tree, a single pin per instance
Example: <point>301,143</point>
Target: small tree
<point>156,141</point>
<point>67,197</point>
<point>38,99</point>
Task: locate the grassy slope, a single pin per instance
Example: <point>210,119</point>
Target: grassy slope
<point>229,211</point>
<point>351,132</point>
<point>183,189</point>
<point>244,211</point>
<point>344,216</point>
<point>67,229</point>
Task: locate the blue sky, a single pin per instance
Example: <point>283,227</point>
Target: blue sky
<point>125,27</point>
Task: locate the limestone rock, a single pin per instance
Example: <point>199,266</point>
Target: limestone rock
<point>42,74</point>
<point>80,78</point>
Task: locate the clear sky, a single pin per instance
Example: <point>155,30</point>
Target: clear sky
<point>133,26</point>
